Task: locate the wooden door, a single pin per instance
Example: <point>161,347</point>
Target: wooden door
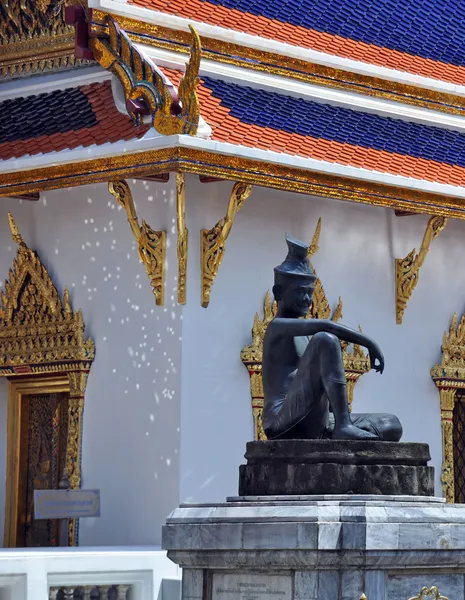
<point>42,458</point>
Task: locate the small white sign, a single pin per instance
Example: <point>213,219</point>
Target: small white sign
<point>251,587</point>
<point>66,504</point>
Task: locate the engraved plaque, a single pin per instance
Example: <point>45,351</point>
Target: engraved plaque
<point>246,586</point>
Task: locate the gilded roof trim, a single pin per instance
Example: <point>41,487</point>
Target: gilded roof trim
<point>283,66</point>
<point>248,170</point>
<point>41,40</point>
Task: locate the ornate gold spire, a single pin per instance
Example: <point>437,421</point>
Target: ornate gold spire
<point>16,236</point>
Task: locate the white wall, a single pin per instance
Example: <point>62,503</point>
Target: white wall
<point>138,397</point>
<point>358,246</point>
<point>131,417</point>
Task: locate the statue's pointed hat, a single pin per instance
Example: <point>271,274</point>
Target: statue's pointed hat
<point>296,262</point>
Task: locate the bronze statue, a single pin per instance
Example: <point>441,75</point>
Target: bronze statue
<point>303,373</point>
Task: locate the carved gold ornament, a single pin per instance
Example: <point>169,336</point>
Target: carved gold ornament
<point>431,592</point>
<point>40,334</point>
<point>408,268</point>
<point>356,362</point>
<point>213,241</point>
<point>183,236</point>
<point>449,377</point>
<point>152,244</point>
<point>34,37</point>
<point>145,87</point>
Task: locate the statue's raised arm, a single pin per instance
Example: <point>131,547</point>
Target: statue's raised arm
<point>303,371</point>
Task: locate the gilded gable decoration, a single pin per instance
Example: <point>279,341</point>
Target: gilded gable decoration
<point>146,89</point>
<point>356,362</point>
<point>34,37</point>
<point>40,334</point>
<point>449,377</point>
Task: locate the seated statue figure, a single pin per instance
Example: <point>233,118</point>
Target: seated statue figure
<point>303,373</point>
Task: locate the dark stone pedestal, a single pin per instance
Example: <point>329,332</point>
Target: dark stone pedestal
<point>307,467</point>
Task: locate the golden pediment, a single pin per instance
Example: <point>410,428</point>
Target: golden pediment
<point>39,332</point>
<point>34,37</point>
<point>356,362</point>
<point>452,365</point>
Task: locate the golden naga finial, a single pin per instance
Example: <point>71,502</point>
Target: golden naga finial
<point>17,238</point>
<point>313,248</point>
<point>408,268</point>
<point>152,244</point>
<point>213,240</point>
<point>147,91</point>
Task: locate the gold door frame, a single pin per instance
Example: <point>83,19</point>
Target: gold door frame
<point>449,377</point>
<point>41,338</point>
<point>17,388</point>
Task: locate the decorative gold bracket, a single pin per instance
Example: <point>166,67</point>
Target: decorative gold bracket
<point>146,89</point>
<point>356,362</point>
<point>408,268</point>
<point>213,240</point>
<point>152,244</point>
<point>449,377</point>
<point>431,592</point>
<point>183,236</point>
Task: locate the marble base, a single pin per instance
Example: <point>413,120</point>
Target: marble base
<point>318,548</point>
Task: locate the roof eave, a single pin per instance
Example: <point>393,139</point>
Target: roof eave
<point>151,156</point>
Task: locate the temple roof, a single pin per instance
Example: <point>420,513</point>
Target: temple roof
<point>63,119</point>
<point>258,118</point>
<point>417,36</point>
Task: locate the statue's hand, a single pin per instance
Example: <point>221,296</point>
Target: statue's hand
<point>376,355</point>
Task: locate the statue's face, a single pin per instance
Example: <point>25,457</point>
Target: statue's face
<point>296,297</point>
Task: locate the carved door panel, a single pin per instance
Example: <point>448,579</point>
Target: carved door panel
<point>459,448</point>
<point>42,456</point>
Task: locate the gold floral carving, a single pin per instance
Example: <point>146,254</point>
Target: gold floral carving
<point>183,236</point>
<point>34,37</point>
<point>141,79</point>
<point>431,592</point>
<point>40,334</point>
<point>213,241</point>
<point>356,362</point>
<point>152,244</point>
<point>449,377</point>
<point>408,268</point>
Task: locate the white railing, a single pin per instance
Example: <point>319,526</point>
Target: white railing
<point>87,573</point>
